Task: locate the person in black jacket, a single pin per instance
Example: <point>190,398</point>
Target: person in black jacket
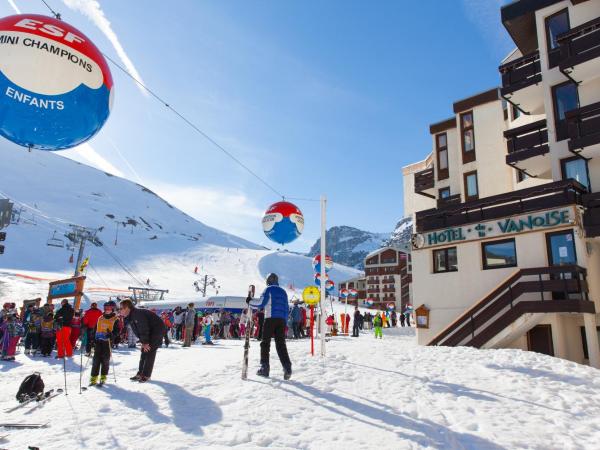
<point>149,329</point>
<point>62,319</point>
<point>356,323</point>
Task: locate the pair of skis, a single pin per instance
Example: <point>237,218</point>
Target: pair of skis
<point>251,292</point>
<point>38,400</point>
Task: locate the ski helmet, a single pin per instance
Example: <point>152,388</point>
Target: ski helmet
<point>272,279</point>
<point>110,304</point>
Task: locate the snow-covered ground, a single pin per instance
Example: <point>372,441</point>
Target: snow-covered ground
<point>365,394</point>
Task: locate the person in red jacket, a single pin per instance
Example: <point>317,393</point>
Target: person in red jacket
<point>90,319</point>
<point>75,328</point>
<point>302,322</point>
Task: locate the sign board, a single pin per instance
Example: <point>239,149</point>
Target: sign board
<point>71,287</point>
<point>311,295</point>
<point>537,221</point>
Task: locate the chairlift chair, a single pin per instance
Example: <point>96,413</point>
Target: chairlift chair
<point>55,242</point>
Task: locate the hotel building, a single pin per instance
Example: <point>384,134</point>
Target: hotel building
<point>506,250</point>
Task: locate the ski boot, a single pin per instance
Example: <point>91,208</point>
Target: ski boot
<point>287,372</point>
<point>136,377</point>
<point>27,351</point>
<point>263,371</point>
<point>93,381</point>
<point>143,379</point>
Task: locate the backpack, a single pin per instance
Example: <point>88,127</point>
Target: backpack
<point>31,386</point>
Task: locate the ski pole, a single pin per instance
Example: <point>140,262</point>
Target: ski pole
<point>112,360</point>
<point>64,345</point>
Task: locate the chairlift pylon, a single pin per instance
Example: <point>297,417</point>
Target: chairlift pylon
<point>55,242</point>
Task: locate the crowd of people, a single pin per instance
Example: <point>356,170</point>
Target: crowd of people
<point>97,332</point>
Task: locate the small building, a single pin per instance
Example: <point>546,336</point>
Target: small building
<point>360,285</point>
<point>388,277</point>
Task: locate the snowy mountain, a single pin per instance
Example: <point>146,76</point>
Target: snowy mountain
<point>400,237</point>
<point>349,246</point>
<point>140,236</point>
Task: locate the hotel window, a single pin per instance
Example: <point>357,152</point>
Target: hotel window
<point>444,193</point>
<point>441,145</point>
<point>471,187</point>
<point>467,137</point>
<point>565,98</point>
<point>577,169</point>
<point>556,24</point>
<point>445,260</point>
<point>499,254</point>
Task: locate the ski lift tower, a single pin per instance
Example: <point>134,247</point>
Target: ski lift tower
<point>146,294</point>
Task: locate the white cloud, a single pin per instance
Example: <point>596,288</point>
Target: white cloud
<point>232,212</point>
<point>92,10</point>
<point>86,154</point>
<point>14,6</point>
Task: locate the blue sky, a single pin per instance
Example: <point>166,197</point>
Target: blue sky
<point>318,97</point>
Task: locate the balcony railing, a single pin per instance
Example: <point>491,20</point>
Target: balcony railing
<point>520,73</point>
<point>452,199</point>
<point>527,141</point>
<point>591,217</point>
<point>579,44</point>
<point>584,126</point>
<point>373,291</point>
<point>545,196</point>
<point>388,289</point>
<point>424,180</point>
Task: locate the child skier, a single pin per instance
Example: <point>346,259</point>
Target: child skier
<point>33,327</point>
<point>106,332</point>
<point>48,333</point>
<point>207,325</point>
<point>377,322</point>
<point>11,333</point>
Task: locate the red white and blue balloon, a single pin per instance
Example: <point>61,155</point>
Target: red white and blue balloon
<point>353,292</point>
<point>329,284</point>
<point>316,263</point>
<point>55,85</point>
<point>344,293</point>
<point>369,302</point>
<point>283,222</point>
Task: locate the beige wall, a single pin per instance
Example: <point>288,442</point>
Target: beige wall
<point>412,201</point>
<point>448,295</point>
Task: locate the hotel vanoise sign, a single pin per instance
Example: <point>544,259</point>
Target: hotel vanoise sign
<point>537,221</point>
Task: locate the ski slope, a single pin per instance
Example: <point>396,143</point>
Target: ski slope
<point>143,236</point>
<point>365,394</point>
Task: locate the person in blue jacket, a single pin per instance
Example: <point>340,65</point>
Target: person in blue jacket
<point>274,301</point>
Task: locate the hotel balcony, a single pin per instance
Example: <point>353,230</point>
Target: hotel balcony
<point>521,83</point>
<point>373,291</point>
<point>537,198</point>
<point>528,148</point>
<point>453,199</point>
<point>583,125</point>
<point>580,52</point>
<point>388,289</point>
<point>425,182</point>
<point>591,217</point>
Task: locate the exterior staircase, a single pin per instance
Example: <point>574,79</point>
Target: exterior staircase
<point>518,304</point>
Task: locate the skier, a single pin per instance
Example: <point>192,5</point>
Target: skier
<point>89,323</point>
<point>207,321</point>
<point>11,333</point>
<point>296,316</point>
<point>356,323</point>
<point>62,319</point>
<point>274,301</point>
<point>401,319</point>
<point>33,326</point>
<point>105,333</point>
<point>377,322</point>
<point>150,330</point>
<point>48,334</point>
<point>190,317</point>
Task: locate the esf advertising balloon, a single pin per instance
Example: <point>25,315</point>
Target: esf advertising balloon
<point>283,222</point>
<point>55,85</point>
<point>316,263</point>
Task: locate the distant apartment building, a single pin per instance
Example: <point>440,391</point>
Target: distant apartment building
<point>388,277</point>
<point>506,207</point>
<point>360,285</point>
